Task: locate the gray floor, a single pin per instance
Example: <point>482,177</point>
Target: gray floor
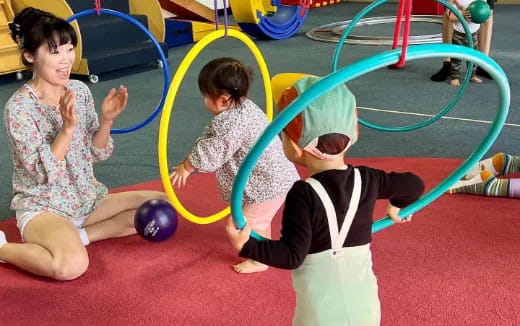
<point>409,89</point>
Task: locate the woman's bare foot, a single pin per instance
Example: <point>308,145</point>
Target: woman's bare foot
<point>250,266</point>
<point>475,79</point>
<point>455,82</point>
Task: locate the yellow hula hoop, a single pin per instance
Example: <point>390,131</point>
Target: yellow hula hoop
<point>168,107</point>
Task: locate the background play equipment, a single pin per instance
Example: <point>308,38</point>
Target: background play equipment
<point>427,7</point>
<point>169,104</point>
<point>111,43</point>
<point>181,32</point>
<point>332,32</point>
<point>155,220</point>
<point>98,13</point>
<point>10,60</point>
<point>108,43</point>
<point>444,110</point>
<point>358,69</point>
<point>480,11</point>
<point>313,3</point>
<point>188,9</point>
<point>323,3</point>
<point>405,8</point>
<point>270,19</point>
<point>187,21</point>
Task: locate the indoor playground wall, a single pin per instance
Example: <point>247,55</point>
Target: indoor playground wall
<point>189,9</point>
<point>60,8</point>
<point>9,54</point>
<point>210,3</point>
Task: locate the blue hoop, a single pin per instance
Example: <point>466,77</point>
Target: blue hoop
<point>355,70</point>
<point>448,107</point>
<point>166,70</point>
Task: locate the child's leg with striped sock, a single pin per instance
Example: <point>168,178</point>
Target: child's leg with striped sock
<point>499,164</point>
<point>511,165</point>
<point>497,187</point>
<point>476,185</point>
<point>488,186</point>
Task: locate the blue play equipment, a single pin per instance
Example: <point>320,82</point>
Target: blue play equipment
<point>160,52</point>
<point>268,19</point>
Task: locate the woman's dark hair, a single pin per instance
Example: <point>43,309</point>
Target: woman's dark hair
<point>332,143</point>
<point>225,75</point>
<point>33,27</point>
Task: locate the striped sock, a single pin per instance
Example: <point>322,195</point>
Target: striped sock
<point>476,185</point>
<point>511,164</point>
<point>484,184</point>
<point>497,188</point>
<point>499,164</point>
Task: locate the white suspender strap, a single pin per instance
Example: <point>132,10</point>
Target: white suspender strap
<point>338,238</point>
<point>352,210</point>
<point>329,208</point>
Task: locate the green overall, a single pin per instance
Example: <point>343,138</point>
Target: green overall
<point>337,286</point>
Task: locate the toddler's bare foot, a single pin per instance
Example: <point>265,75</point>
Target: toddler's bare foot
<point>475,79</point>
<point>455,82</point>
<point>250,266</point>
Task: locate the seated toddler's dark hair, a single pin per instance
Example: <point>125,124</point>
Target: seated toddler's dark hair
<point>225,75</point>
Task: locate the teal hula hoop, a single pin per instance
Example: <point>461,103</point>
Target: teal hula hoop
<point>355,70</point>
<point>444,110</point>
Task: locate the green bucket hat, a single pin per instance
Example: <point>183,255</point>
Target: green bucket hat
<point>332,112</point>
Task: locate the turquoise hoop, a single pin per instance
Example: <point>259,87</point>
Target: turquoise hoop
<point>447,108</point>
<point>355,70</point>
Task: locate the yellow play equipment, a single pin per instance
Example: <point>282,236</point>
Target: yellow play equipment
<point>169,105</point>
<point>10,60</point>
<point>60,8</point>
<point>249,11</point>
<point>280,81</point>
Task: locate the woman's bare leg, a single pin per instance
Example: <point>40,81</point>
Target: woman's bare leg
<point>114,217</point>
<point>52,249</point>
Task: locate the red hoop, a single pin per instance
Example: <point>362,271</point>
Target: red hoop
<point>305,5</point>
<point>403,5</point>
<point>97,6</point>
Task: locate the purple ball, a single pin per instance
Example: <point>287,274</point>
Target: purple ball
<point>155,220</point>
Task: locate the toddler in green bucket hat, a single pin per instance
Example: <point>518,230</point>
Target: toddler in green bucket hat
<point>327,219</point>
